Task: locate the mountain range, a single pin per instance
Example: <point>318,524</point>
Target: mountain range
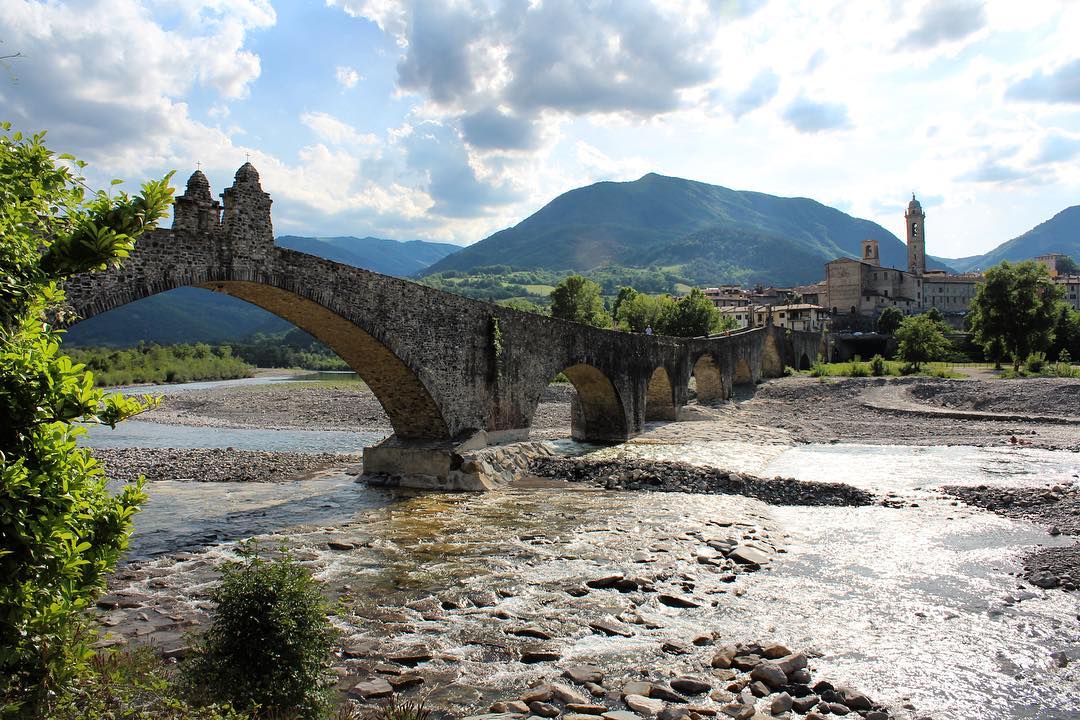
<point>704,233</point>
<point>707,233</point>
<point>1059,234</point>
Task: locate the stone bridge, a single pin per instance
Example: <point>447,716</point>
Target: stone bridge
<point>450,372</point>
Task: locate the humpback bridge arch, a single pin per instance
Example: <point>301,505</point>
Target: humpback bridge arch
<point>448,370</point>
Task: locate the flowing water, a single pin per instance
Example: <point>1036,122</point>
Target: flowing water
<point>913,605</point>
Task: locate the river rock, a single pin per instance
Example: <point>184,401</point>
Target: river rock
<point>774,651</point>
<point>372,689</point>
<point>780,704</point>
<point>543,709</point>
<point>856,700</point>
<point>673,712</point>
<point>581,716</point>
<point>643,706</point>
<point>747,555</point>
<point>804,704</point>
<point>540,693</point>
<point>662,692</point>
<point>586,708</point>
<point>608,627</point>
<point>405,681</point>
<point>724,657</point>
<point>738,711</point>
<point>566,694</point>
<point>530,631</point>
<point>538,655</point>
<point>677,601</point>
<point>637,687</point>
<point>620,715</point>
<point>769,674</point>
<point>690,685</point>
<point>595,689</point>
<point>791,663</point>
<point>582,674</point>
<point>412,656</point>
<point>605,582</point>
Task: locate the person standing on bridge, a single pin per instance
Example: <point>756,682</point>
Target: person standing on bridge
<point>648,329</point>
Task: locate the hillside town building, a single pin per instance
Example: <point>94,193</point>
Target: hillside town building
<point>796,316</point>
<point>1070,283</point>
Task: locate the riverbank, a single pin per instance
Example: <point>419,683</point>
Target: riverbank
<point>220,465</point>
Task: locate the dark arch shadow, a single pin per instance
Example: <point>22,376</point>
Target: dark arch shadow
<point>804,362</point>
<point>597,413</point>
<point>660,396</point>
<point>708,379</point>
<point>412,410</point>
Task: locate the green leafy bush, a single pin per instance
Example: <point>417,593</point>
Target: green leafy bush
<point>61,529</point>
<point>269,643</point>
<point>819,369</point>
<point>878,368</point>
<point>1035,362</point>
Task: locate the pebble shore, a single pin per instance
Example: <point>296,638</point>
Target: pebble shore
<point>639,474</point>
<point>218,465</point>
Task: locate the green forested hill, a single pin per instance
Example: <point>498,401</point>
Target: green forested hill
<point>708,233</point>
<point>1059,234</point>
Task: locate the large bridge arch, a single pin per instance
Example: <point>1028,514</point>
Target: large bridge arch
<point>410,406</point>
<point>708,379</point>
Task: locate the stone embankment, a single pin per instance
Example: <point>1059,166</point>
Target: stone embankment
<point>218,465</point>
<point>650,475</point>
<point>1057,508</point>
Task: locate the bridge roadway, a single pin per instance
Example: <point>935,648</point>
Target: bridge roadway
<point>449,371</point>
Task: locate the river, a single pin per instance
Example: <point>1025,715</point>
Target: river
<point>917,605</point>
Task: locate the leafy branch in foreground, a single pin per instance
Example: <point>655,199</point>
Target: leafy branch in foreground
<point>61,528</point>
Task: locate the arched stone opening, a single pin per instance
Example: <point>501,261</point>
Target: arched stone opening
<point>660,396</point>
<point>771,363</point>
<point>597,412</point>
<point>708,379</point>
<point>413,412</point>
<point>804,362</point>
<point>743,376</point>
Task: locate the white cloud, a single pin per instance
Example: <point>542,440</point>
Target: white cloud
<point>335,131</point>
<point>347,77</point>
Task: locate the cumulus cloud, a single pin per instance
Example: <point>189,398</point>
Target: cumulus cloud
<point>335,131</point>
<point>436,153</point>
<point>945,21</point>
<point>108,81</point>
<point>759,92</point>
<point>347,77</point>
<point>993,171</point>
<point>491,129</point>
<point>808,116</point>
<point>1061,85</point>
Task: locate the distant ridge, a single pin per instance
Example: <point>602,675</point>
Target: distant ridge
<point>1059,234</point>
<point>708,233</point>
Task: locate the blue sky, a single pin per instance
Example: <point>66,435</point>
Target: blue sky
<point>451,120</point>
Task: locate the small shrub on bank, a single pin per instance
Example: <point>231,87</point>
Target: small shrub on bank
<point>878,368</point>
<point>859,369</point>
<point>269,643</point>
<point>819,369</point>
<point>789,371</point>
<point>1035,362</point>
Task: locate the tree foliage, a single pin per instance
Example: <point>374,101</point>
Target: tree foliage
<point>578,299</point>
<point>1067,266</point>
<point>61,529</point>
<point>690,316</point>
<point>889,320</point>
<point>921,340</point>
<point>1014,311</point>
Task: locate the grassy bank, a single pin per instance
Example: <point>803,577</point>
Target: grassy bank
<point>859,368</point>
<point>161,364</point>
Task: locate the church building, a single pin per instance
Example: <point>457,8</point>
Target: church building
<point>863,287</point>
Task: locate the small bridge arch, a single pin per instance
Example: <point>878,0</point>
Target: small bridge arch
<point>660,396</point>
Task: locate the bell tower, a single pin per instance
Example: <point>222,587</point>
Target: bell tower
<point>916,237</point>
